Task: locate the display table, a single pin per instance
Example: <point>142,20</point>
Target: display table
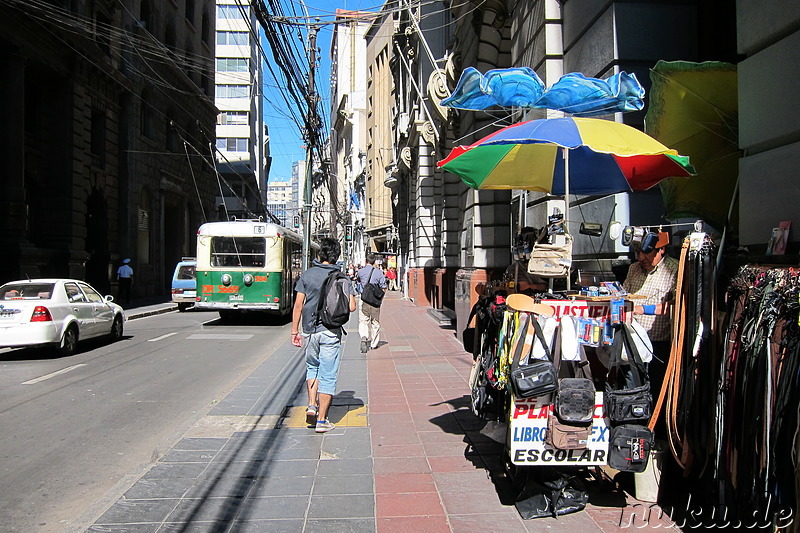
<point>527,417</point>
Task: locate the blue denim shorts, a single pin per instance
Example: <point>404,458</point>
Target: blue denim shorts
<point>323,351</point>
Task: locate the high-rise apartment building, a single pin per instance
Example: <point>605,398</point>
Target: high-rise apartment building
<point>241,154</point>
<point>279,201</point>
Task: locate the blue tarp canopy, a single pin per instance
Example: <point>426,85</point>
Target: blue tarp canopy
<point>574,93</point>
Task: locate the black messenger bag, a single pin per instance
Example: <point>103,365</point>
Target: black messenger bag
<point>627,403</point>
<point>574,402</point>
<point>539,377</point>
<point>629,447</point>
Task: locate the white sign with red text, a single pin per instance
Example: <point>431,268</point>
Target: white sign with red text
<point>529,425</point>
<point>587,309</point>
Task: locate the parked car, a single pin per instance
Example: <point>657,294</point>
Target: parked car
<point>56,312</point>
<point>184,286</point>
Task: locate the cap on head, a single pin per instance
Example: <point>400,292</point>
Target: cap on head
<point>126,261</point>
<point>653,241</point>
<point>663,239</point>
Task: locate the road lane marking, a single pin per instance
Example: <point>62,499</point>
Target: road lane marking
<point>53,374</point>
<point>218,337</point>
<point>163,337</point>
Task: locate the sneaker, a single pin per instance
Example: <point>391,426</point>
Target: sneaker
<point>311,415</point>
<point>324,425</point>
<point>364,346</point>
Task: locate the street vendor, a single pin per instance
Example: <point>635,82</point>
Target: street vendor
<point>653,276</point>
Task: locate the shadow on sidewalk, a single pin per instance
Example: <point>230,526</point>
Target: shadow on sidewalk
<point>481,450</point>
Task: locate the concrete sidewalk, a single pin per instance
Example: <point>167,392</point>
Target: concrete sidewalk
<point>406,455</point>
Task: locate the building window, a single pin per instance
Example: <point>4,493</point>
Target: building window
<point>233,117</point>
<point>233,37</point>
<point>98,138</point>
<point>232,12</point>
<point>207,85</point>
<point>169,37</point>
<point>190,11</point>
<point>143,227</point>
<point>171,136</point>
<point>146,16</point>
<point>148,116</point>
<point>233,91</point>
<point>102,33</point>
<point>205,30</point>
<point>232,64</point>
<point>232,144</point>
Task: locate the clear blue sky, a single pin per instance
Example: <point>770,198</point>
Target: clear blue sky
<point>286,143</point>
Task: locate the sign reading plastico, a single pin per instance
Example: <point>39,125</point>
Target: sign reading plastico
<point>586,309</point>
<point>527,432</point>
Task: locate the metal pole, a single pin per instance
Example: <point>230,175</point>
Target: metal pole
<point>312,107</point>
<point>566,201</point>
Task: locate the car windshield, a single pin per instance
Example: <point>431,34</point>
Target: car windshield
<point>185,272</point>
<point>28,291</point>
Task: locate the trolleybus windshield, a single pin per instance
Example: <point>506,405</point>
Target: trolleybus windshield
<point>246,252</point>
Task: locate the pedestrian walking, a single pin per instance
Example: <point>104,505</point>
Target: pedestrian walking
<point>125,279</point>
<point>369,317</point>
<point>323,346</point>
<point>391,276</point>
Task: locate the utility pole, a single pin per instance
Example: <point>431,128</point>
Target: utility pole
<point>311,115</point>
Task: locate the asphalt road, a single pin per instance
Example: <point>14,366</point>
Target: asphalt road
<point>73,430</point>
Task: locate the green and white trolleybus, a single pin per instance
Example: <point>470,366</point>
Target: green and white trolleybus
<point>247,265</point>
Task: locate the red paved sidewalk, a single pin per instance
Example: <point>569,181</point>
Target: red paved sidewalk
<point>434,470</point>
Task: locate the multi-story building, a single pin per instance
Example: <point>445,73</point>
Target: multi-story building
<point>241,141</point>
<point>279,202</point>
<point>104,151</point>
<point>349,85</point>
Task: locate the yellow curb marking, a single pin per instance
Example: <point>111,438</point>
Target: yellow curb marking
<point>347,416</point>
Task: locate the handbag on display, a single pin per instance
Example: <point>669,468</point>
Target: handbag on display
<point>629,447</point>
<point>566,436</point>
<point>575,397</point>
<point>627,398</point>
<point>372,293</point>
<point>539,377</point>
<point>570,424</point>
<point>551,260</point>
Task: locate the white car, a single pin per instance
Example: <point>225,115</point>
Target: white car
<point>56,312</point>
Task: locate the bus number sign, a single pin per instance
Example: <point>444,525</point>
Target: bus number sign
<point>259,230</point>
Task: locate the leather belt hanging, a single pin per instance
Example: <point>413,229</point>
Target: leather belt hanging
<point>670,387</point>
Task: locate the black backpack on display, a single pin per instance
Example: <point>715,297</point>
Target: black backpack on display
<point>333,308</point>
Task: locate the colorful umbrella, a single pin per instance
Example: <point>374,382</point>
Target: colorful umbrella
<point>605,157</point>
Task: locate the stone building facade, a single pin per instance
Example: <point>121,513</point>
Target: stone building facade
<point>105,151</point>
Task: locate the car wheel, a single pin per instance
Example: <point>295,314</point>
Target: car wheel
<point>116,329</point>
<point>69,342</point>
<point>183,307</point>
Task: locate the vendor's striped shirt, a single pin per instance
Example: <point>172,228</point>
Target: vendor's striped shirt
<point>659,287</point>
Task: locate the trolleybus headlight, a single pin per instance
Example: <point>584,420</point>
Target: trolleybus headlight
<point>226,279</point>
<point>248,279</point>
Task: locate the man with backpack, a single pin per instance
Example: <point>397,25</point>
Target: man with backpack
<point>325,298</point>
<point>373,283</point>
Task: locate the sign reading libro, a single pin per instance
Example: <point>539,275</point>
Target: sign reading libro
<point>527,431</point>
